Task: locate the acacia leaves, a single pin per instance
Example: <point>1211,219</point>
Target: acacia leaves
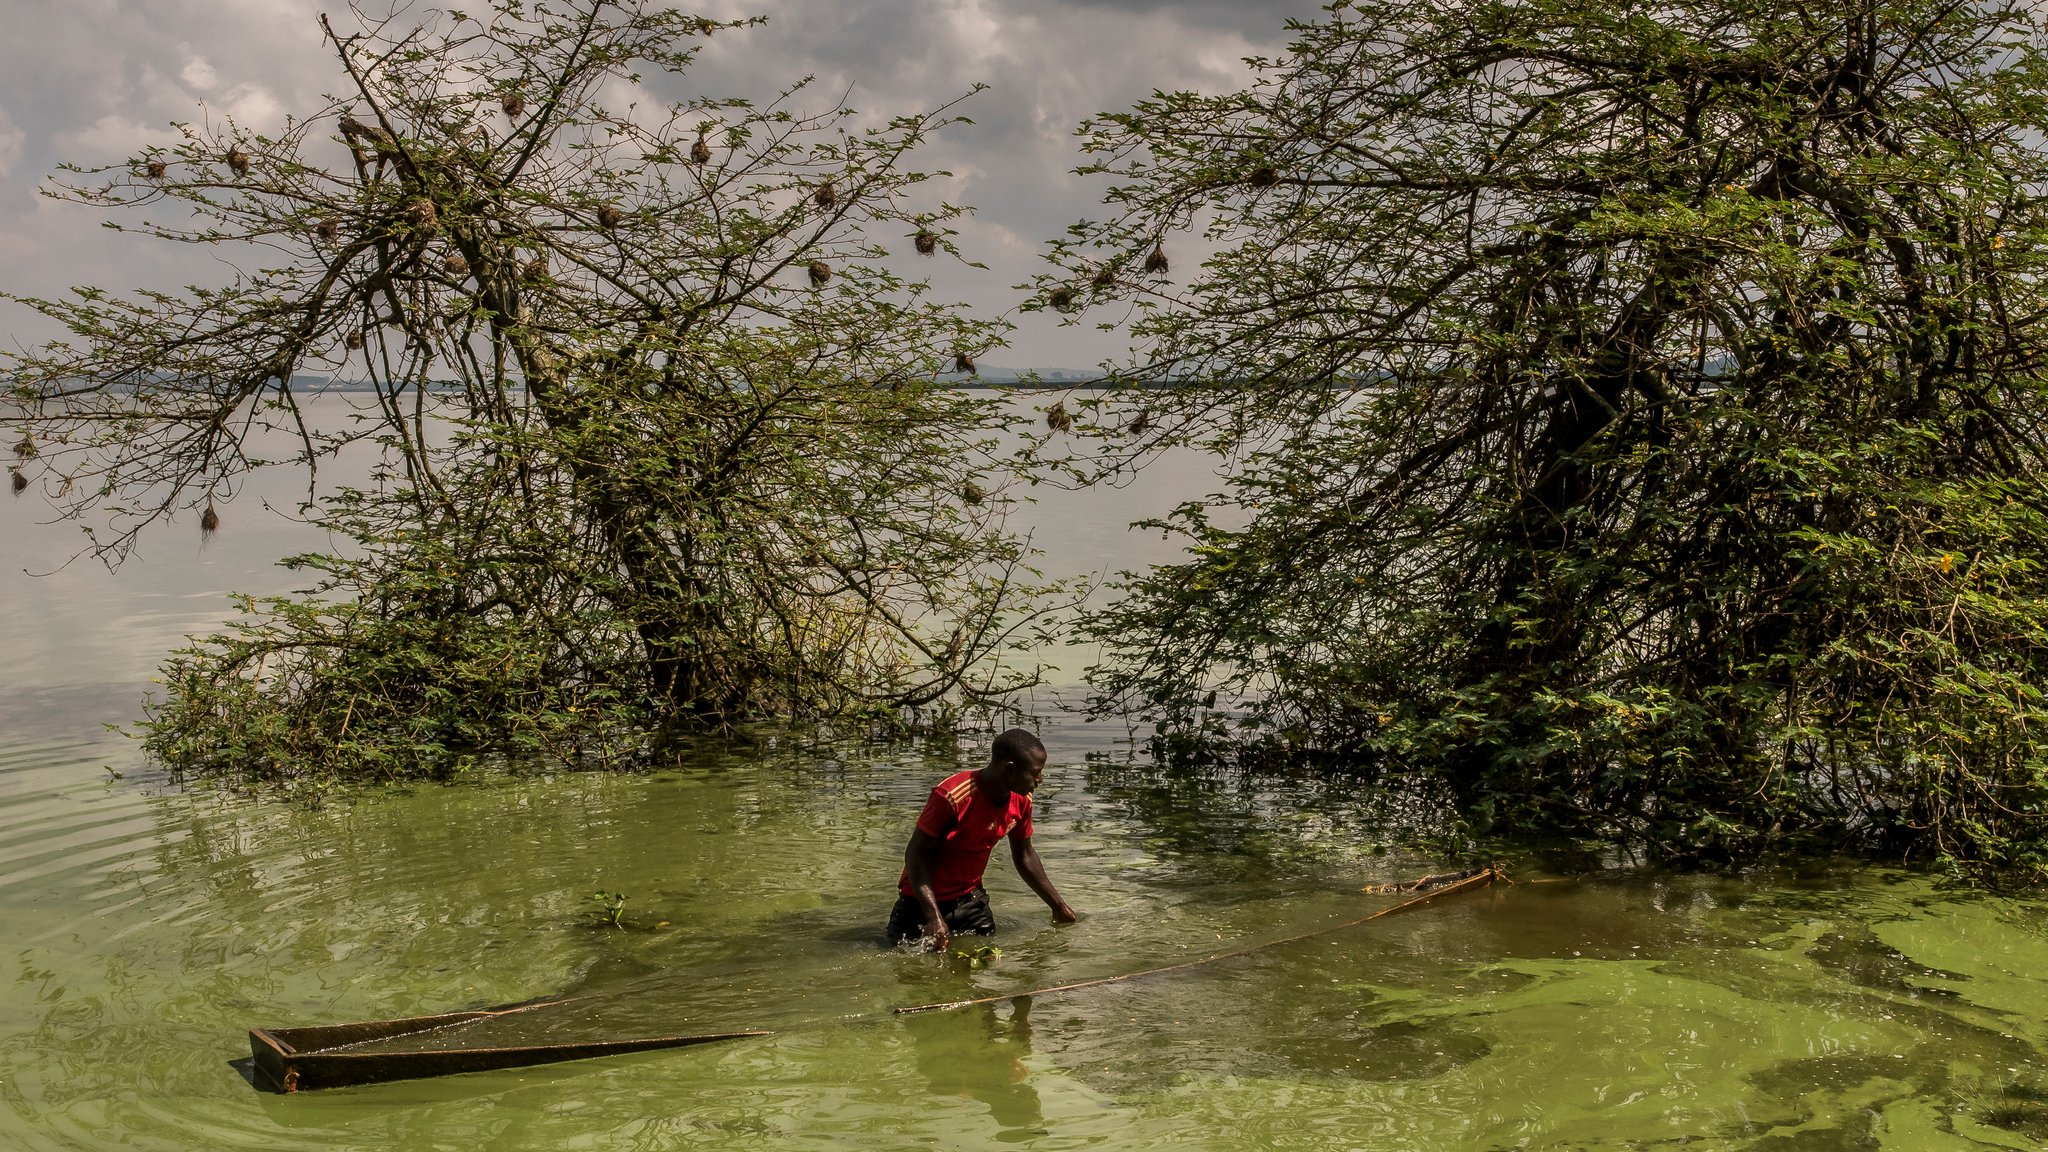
<point>1621,401</point>
<point>644,465</point>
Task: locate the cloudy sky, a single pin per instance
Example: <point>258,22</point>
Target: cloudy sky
<point>91,81</point>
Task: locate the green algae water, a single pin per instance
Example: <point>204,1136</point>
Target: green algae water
<point>146,927</point>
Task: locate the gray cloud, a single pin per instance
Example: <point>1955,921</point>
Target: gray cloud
<point>91,80</point>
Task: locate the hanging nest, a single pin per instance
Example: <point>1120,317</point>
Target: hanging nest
<point>514,105</point>
<point>1105,279</point>
<point>423,215</point>
<point>455,265</point>
<point>963,362</point>
<point>1056,418</point>
<point>1139,424</point>
<point>154,170</point>
<point>535,270</point>
<point>209,521</point>
<point>1155,264</point>
<point>329,229</point>
<point>1263,177</point>
<point>1061,299</point>
<point>700,152</point>
<point>825,195</point>
<point>25,448</point>
<point>972,493</point>
<point>238,160</point>
<point>358,133</point>
<point>609,217</point>
<point>926,242</point>
<point>821,273</point>
<point>353,341</point>
<point>17,479</point>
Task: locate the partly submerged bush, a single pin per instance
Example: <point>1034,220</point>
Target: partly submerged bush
<point>1634,415</point>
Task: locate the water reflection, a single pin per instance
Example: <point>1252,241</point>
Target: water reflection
<point>978,1054</point>
<point>1626,1010</point>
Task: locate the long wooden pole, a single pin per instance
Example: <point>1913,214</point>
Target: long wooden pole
<point>1486,875</point>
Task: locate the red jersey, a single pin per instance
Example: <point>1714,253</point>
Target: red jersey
<point>967,825</point>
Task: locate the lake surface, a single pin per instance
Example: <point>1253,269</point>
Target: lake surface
<point>146,927</point>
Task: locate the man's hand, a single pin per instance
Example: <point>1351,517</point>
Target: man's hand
<point>1032,869</point>
<point>917,864</point>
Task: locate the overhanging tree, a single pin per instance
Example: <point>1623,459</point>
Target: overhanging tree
<point>663,425</point>
<point>1634,413</point>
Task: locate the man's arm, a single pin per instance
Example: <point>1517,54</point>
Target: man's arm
<point>917,856</point>
<point>1032,869</point>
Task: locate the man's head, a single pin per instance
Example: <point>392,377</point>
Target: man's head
<point>1017,761</point>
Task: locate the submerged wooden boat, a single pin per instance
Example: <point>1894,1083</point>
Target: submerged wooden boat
<point>338,1055</point>
<point>333,1055</point>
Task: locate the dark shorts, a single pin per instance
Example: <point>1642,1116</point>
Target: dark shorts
<point>969,915</point>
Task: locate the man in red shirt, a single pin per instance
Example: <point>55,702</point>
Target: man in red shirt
<point>940,889</point>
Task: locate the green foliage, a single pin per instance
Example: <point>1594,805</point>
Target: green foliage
<point>1635,416</point>
<point>411,661</point>
<point>975,955</point>
<point>611,908</point>
<point>664,433</point>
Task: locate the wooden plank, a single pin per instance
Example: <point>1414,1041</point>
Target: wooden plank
<point>283,1067</point>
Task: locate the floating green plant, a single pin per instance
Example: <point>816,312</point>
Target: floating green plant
<point>611,908</point>
<point>977,955</point>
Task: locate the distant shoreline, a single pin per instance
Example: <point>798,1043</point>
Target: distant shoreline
<point>1051,378</point>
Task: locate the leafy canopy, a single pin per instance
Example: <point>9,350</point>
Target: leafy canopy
<point>664,433</point>
<point>1634,413</point>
